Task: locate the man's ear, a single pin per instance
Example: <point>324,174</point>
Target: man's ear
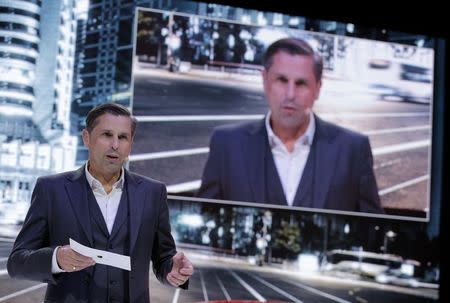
<point>264,78</point>
<point>319,87</point>
<point>85,135</point>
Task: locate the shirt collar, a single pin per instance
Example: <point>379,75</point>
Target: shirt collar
<point>95,184</point>
<point>305,139</point>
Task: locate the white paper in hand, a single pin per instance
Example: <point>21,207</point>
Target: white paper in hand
<point>101,256</point>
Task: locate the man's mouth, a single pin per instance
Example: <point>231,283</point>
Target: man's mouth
<point>289,108</point>
<point>112,157</point>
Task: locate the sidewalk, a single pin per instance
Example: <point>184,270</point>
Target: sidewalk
<point>254,80</point>
<point>335,87</point>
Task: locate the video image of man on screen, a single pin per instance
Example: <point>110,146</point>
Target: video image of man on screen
<point>292,157</point>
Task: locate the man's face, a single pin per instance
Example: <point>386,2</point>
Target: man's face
<point>109,143</point>
<point>291,89</point>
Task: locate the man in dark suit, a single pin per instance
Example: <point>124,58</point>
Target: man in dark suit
<point>292,157</point>
<point>103,206</point>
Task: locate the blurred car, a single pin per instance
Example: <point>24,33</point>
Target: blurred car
<point>363,263</point>
<point>379,63</point>
<point>178,66</point>
<point>394,93</point>
<point>397,81</point>
<point>395,277</point>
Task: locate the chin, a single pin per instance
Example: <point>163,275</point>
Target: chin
<point>293,121</point>
<point>114,167</point>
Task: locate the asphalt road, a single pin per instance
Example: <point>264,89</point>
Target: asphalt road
<point>399,132</point>
<point>222,279</point>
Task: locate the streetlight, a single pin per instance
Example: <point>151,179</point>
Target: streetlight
<point>388,236</point>
<point>346,228</point>
<point>215,36</point>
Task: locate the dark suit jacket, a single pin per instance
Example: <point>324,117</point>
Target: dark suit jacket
<point>59,211</point>
<point>343,177</point>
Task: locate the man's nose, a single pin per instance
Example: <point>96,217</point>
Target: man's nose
<point>115,143</point>
<point>290,91</point>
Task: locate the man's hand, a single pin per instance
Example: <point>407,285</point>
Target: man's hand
<point>182,269</point>
<point>71,261</point>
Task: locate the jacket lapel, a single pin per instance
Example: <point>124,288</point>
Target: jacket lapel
<point>303,196</point>
<point>136,195</point>
<point>122,213</point>
<point>325,161</point>
<point>76,189</point>
<point>256,161</point>
<point>274,190</point>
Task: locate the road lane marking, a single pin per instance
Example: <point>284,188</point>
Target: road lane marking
<point>187,118</point>
<point>3,272</point>
<point>184,118</point>
<point>158,82</point>
<point>278,290</point>
<point>319,292</point>
<point>396,130</point>
<point>248,287</point>
<point>204,150</point>
<point>176,295</point>
<point>194,185</point>
<point>225,292</point>
<point>23,291</point>
<point>169,154</point>
<point>362,300</point>
<point>183,187</point>
<point>399,147</point>
<point>202,283</point>
<point>373,115</point>
<point>3,259</point>
<point>387,163</point>
<point>403,185</point>
<point>7,240</point>
<point>254,97</point>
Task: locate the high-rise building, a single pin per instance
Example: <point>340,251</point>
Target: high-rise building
<point>105,56</point>
<point>54,67</point>
<point>37,41</point>
<point>77,85</point>
<point>19,49</point>
<point>105,59</point>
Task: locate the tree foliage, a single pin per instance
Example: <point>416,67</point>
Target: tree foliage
<point>287,238</point>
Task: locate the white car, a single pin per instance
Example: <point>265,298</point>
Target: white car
<point>400,81</point>
<point>396,278</point>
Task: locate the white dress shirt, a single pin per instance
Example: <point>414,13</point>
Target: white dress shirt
<point>108,203</point>
<point>290,165</point>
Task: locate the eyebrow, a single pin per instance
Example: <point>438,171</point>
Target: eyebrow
<point>296,80</point>
<point>110,130</point>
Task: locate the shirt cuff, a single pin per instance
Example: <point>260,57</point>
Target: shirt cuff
<point>55,267</point>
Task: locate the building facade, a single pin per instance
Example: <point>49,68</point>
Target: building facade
<point>36,63</point>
